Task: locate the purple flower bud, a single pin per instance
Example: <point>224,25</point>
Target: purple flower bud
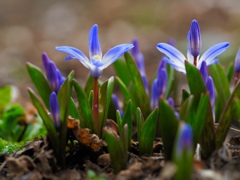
<point>155,94</point>
<point>45,61</point>
<point>211,90</point>
<point>184,140</point>
<point>162,63</point>
<point>139,59</point>
<point>54,109</point>
<point>195,42</point>
<point>53,77</point>
<point>237,62</point>
<point>204,71</point>
<point>162,81</point>
<point>116,103</point>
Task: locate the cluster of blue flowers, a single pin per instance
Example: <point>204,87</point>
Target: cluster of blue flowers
<point>97,62</point>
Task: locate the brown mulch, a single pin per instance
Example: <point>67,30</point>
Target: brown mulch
<point>36,161</point>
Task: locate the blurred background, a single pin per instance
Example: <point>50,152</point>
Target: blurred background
<point>30,27</point>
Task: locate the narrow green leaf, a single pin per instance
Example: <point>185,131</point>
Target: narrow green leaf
<point>171,73</point>
<point>105,96</point>
<point>126,94</point>
<point>64,100</point>
<point>73,111</point>
<point>121,70</point>
<point>227,116</point>
<point>230,72</point>
<point>119,122</point>
<point>222,88</point>
<point>140,121</point>
<point>168,128</point>
<point>127,119</point>
<point>118,153</point>
<point>148,133</point>
<point>138,92</point>
<point>40,83</point>
<point>47,121</point>
<point>89,85</point>
<point>203,127</point>
<point>195,82</point>
<point>84,108</point>
<point>186,108</point>
<point>185,95</point>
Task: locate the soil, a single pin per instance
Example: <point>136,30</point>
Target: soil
<point>36,161</point>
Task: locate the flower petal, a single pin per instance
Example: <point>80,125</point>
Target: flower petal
<point>213,51</point>
<point>113,54</point>
<point>179,66</point>
<point>75,54</point>
<point>175,55</point>
<point>94,45</point>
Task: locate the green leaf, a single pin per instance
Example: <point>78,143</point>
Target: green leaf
<point>138,92</point>
<point>64,100</point>
<point>168,128</point>
<point>121,70</point>
<point>40,83</point>
<point>222,88</point>
<point>34,130</point>
<point>230,72</point>
<point>105,96</point>
<point>227,116</point>
<point>5,97</point>
<point>186,108</point>
<point>127,119</point>
<point>47,121</point>
<point>140,122</point>
<point>12,115</point>
<point>170,72</point>
<point>195,82</point>
<point>117,150</point>
<point>123,88</point>
<point>185,95</point>
<point>203,127</point>
<point>84,108</point>
<point>89,85</point>
<point>73,111</point>
<point>148,133</point>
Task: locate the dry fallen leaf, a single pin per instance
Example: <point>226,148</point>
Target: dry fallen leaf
<point>83,135</point>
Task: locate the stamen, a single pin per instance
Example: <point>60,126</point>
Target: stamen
<point>97,57</point>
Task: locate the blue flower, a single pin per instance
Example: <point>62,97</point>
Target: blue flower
<point>54,77</point>
<point>96,62</point>
<point>177,59</point>
<point>54,109</point>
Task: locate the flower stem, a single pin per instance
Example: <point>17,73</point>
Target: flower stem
<point>95,104</point>
<point>236,78</point>
<point>195,61</point>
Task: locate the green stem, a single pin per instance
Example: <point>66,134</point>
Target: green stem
<point>95,105</point>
